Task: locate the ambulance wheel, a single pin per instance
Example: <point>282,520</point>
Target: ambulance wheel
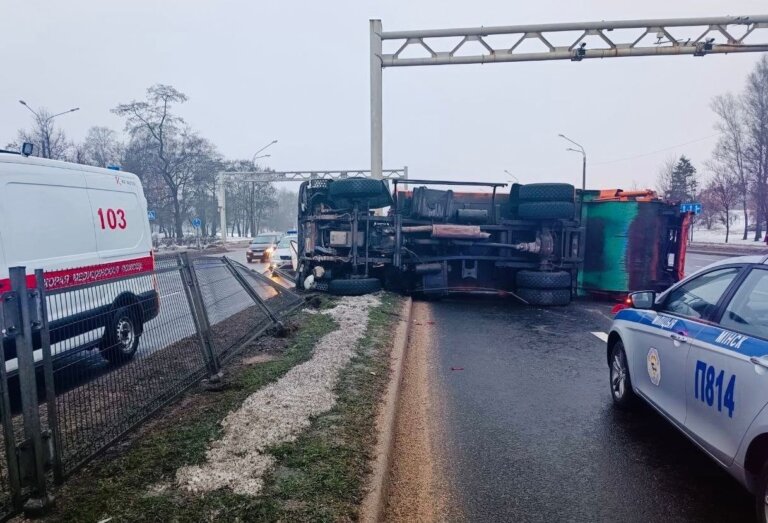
<point>121,336</point>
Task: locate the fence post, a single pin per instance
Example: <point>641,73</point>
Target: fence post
<point>50,385</point>
<point>8,326</point>
<point>32,451</point>
<point>252,293</point>
<point>200,317</point>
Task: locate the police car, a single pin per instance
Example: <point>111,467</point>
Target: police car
<point>698,354</point>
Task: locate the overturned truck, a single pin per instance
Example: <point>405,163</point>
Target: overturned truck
<point>529,242</point>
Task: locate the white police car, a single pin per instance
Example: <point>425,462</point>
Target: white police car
<point>698,353</point>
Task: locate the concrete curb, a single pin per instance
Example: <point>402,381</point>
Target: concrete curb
<point>375,501</point>
<point>714,252</point>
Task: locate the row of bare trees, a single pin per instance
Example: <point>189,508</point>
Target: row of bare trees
<point>178,167</point>
<point>739,163</point>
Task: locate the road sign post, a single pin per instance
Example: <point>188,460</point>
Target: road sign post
<point>197,223</point>
<point>694,207</point>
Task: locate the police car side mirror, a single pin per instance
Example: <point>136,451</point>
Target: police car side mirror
<point>642,299</point>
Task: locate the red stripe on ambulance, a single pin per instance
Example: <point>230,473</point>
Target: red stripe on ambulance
<point>65,278</point>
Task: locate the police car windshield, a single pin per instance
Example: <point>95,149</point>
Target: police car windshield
<point>286,242</point>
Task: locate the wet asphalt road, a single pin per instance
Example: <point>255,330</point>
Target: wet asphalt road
<point>528,432</point>
<point>694,262</point>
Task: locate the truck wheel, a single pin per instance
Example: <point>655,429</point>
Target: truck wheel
<point>355,188</point>
<point>547,192</point>
<point>545,297</point>
<point>356,287</point>
<point>121,336</point>
<point>544,280</point>
<point>546,210</point>
<point>621,385</point>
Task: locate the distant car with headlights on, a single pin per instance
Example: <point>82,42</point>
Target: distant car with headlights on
<point>698,354</point>
<point>261,247</point>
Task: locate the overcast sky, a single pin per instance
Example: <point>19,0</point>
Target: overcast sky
<point>298,72</point>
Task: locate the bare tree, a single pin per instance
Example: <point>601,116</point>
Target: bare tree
<point>665,177</point>
<point>729,156</point>
<point>248,204</point>
<point>755,101</point>
<point>166,133</point>
<point>709,208</point>
<point>101,147</point>
<point>724,194</point>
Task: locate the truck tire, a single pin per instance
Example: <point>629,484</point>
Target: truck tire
<point>543,280</point>
<point>121,335</point>
<point>356,188</point>
<point>547,192</point>
<point>546,210</point>
<point>354,287</point>
<point>545,297</point>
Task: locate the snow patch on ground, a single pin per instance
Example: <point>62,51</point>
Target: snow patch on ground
<point>717,235</point>
<point>280,411</point>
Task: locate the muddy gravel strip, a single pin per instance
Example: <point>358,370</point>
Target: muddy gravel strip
<point>280,411</point>
<point>418,490</point>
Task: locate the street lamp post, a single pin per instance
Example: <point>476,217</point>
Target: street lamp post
<point>43,123</point>
<point>512,176</point>
<point>583,162</point>
<point>257,152</point>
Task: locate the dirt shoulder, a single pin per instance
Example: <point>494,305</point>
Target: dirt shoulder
<point>316,475</point>
<point>418,490</point>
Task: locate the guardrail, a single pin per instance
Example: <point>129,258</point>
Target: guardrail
<point>86,364</point>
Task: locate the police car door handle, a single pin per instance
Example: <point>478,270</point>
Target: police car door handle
<point>759,361</point>
<point>678,337</point>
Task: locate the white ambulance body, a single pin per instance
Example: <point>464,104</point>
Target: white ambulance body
<point>82,225</point>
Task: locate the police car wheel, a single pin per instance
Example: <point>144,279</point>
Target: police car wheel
<point>121,336</point>
<point>761,496</point>
<point>621,384</point>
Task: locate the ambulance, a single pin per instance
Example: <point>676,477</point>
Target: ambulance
<point>87,228</point>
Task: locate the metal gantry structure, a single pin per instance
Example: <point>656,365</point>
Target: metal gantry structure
<point>291,176</point>
<point>478,45</point>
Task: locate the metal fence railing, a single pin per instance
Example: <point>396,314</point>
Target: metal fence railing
<point>85,364</point>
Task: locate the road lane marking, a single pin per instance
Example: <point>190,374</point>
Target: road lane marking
<point>601,336</point>
<point>171,294</point>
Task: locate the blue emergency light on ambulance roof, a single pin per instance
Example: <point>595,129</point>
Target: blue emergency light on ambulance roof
<point>113,167</point>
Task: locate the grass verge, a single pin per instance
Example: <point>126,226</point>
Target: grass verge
<point>318,477</point>
<point>118,485</point>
